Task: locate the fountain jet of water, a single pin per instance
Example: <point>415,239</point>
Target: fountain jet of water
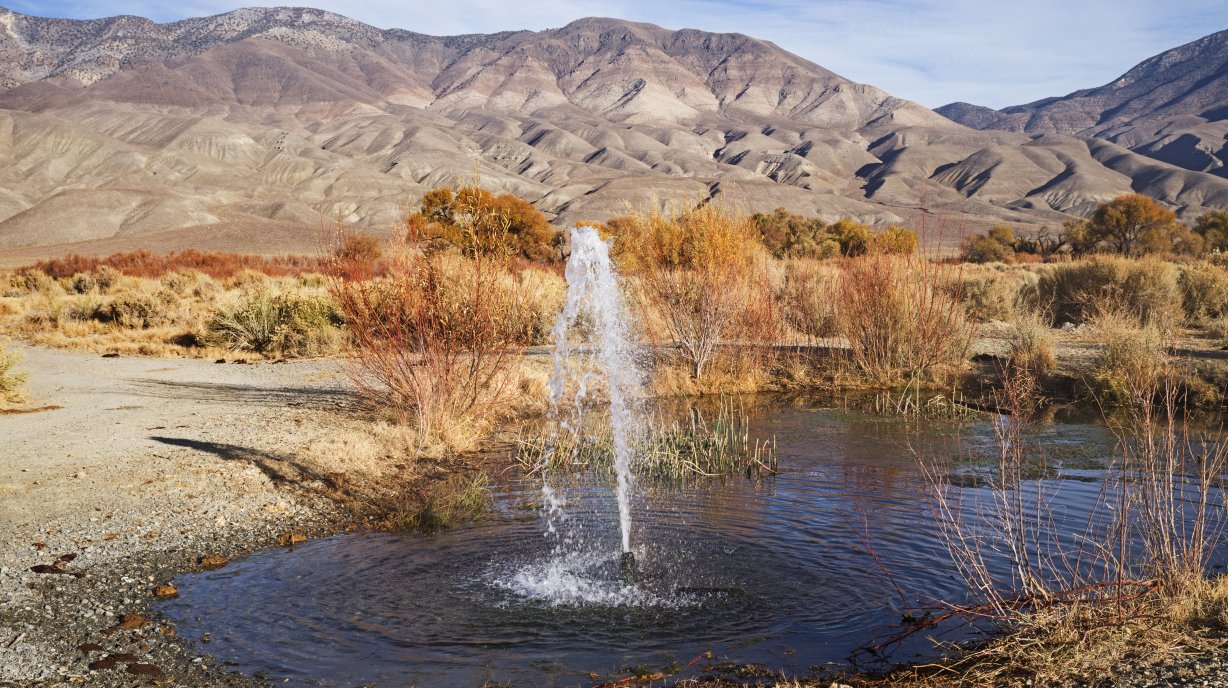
<point>595,304</point>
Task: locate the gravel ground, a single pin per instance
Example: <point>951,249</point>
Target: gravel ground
<point>148,467</point>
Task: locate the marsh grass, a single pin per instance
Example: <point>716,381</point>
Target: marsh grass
<point>914,404</point>
<point>459,499</point>
<point>667,453</point>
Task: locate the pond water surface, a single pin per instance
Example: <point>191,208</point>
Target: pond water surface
<point>790,572</point>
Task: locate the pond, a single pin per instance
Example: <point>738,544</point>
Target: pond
<point>790,572</point>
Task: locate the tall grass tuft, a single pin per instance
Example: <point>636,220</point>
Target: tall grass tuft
<point>1145,289</point>
<point>12,384</point>
<point>1031,344</point>
<point>286,323</point>
<point>1132,362</point>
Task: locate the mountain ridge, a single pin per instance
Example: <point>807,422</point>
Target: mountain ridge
<point>260,126</point>
<point>1172,107</point>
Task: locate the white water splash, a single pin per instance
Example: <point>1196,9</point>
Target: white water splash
<point>595,305</point>
<point>577,579</point>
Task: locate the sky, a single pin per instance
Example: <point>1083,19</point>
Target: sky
<point>988,52</point>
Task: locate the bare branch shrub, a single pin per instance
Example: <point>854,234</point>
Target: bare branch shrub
<point>902,325</point>
<point>432,340</point>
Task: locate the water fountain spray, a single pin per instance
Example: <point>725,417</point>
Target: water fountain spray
<point>595,305</point>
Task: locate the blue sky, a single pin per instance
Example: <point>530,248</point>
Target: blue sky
<point>989,52</point>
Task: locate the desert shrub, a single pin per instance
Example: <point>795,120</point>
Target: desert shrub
<point>82,283</point>
<point>12,384</point>
<point>808,298</point>
<point>313,280</point>
<point>995,246</point>
<point>789,235</point>
<point>81,308</point>
<point>134,309</point>
<point>1204,291</point>
<point>285,323</point>
<point>479,222</point>
<point>247,279</point>
<point>895,240</point>
<point>902,326</point>
<point>1213,228</point>
<point>1145,289</point>
<point>30,281</point>
<point>1132,362</point>
<point>190,283</point>
<point>989,297</point>
<point>1031,345</point>
<point>360,247</point>
<point>107,278</point>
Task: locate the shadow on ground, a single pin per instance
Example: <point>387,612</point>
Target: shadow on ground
<point>308,397</point>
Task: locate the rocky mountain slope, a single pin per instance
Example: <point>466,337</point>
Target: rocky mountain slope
<point>260,128</point>
<point>1172,107</point>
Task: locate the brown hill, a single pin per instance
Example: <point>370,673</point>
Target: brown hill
<point>253,129</point>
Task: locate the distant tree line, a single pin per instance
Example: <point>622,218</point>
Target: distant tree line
<point>788,235</point>
<point>1132,225</point>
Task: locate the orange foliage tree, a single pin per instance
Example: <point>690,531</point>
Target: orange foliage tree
<point>475,221</point>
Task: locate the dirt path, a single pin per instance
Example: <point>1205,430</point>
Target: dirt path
<point>148,465</point>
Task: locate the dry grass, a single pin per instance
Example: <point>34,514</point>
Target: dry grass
<point>1204,291</point>
<point>176,314</point>
<point>1031,345</point>
<point>12,384</point>
<point>1132,361</point>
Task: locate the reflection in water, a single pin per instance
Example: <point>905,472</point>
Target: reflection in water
<point>772,572</point>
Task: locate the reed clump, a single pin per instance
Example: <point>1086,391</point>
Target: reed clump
<point>666,453</point>
<point>458,499</point>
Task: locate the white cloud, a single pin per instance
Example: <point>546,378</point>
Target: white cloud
<point>933,51</point>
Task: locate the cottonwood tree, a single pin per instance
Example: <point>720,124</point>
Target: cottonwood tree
<point>1133,225</point>
<point>1213,228</point>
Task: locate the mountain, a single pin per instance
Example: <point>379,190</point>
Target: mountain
<point>256,129</point>
<point>1172,107</point>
